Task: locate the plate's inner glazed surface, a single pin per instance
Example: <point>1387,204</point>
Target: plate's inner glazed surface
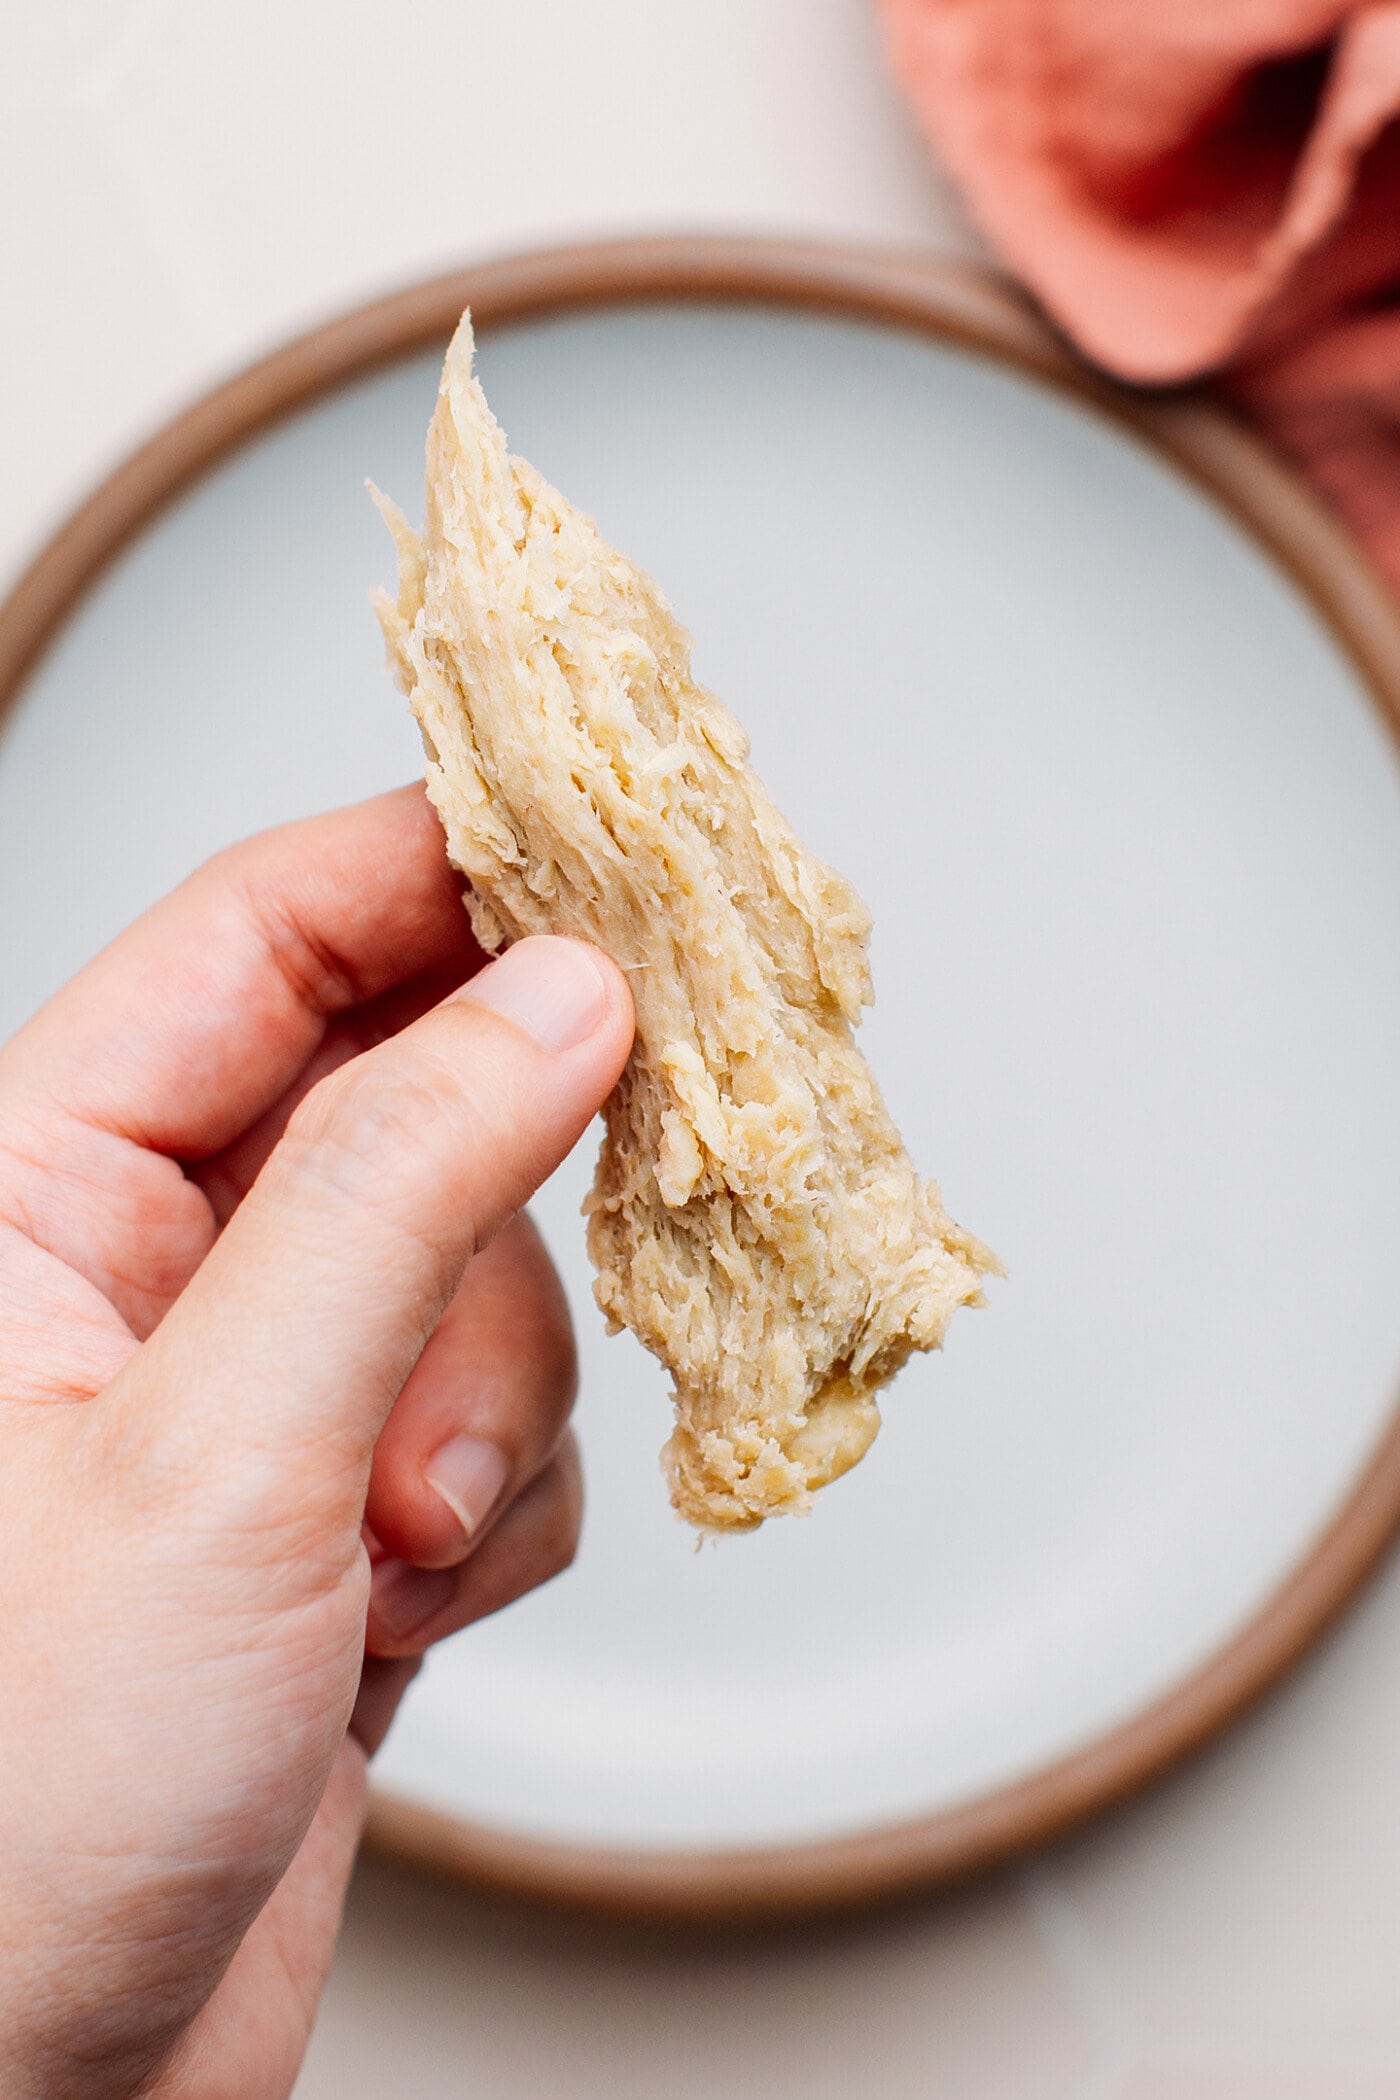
<point>1131,834</point>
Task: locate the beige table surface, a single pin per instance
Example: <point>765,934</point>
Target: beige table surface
<point>186,181</point>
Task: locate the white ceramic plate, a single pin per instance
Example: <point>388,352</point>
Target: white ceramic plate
<point>1130,829</point>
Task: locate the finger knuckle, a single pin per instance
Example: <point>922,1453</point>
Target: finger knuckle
<point>552,1367</point>
<point>527,1276</point>
<point>372,1133</point>
<point>556,1343</point>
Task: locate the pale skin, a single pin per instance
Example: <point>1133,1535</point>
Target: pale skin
<point>284,1391</point>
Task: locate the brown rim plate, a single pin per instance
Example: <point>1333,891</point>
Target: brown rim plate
<point>954,304</point>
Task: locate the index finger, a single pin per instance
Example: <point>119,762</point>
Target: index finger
<point>202,1014</point>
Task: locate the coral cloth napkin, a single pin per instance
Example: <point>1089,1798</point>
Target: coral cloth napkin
<point>1195,186</point>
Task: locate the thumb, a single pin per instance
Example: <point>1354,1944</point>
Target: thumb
<point>264,1388</point>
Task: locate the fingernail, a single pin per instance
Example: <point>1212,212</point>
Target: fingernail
<point>403,1598</point>
<point>468,1475</point>
<point>551,988</point>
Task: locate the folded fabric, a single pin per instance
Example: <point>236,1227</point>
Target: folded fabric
<point>1201,186</point>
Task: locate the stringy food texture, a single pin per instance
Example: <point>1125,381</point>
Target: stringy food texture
<point>754,1219</point>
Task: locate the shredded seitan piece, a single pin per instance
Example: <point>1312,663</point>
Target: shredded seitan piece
<point>754,1219</point>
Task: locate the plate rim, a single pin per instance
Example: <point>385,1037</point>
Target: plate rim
<point>951,301</point>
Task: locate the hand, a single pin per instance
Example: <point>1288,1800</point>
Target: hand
<point>246,1159</point>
